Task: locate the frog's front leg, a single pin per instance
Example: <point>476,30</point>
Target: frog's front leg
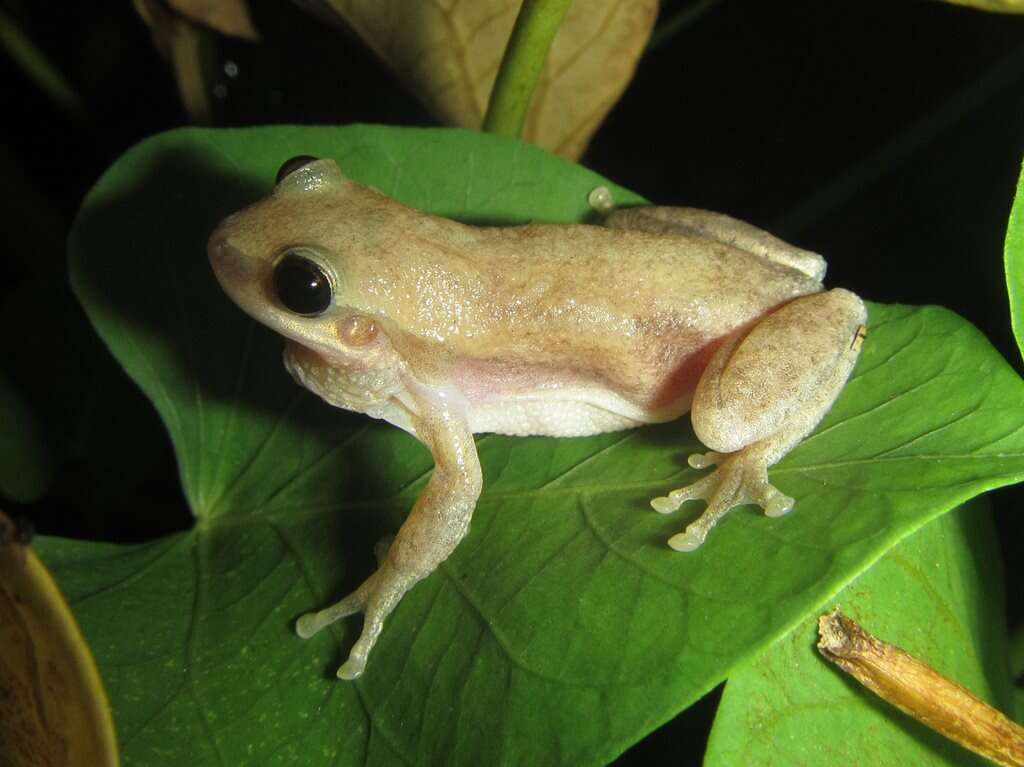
<point>763,391</point>
<point>438,521</point>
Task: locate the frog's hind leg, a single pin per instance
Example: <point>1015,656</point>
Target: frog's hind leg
<point>764,391</point>
<point>719,227</point>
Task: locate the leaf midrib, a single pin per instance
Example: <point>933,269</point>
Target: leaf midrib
<point>239,518</point>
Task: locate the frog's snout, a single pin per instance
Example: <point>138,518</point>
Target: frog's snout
<point>229,264</point>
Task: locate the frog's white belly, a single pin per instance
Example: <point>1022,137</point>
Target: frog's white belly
<point>564,413</point>
<point>561,413</point>
<point>568,399</point>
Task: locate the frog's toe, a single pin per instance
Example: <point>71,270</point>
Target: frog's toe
<point>774,502</point>
<point>697,531</point>
<point>310,623</point>
<point>723,480</point>
<point>756,488</point>
<point>352,668</point>
<point>703,460</point>
<point>699,490</point>
<point>665,504</point>
<point>307,625</point>
<point>740,478</point>
<point>376,598</point>
<point>688,540</point>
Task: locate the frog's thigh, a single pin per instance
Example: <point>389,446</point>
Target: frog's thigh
<point>720,228</point>
<point>781,378</point>
<point>759,396</point>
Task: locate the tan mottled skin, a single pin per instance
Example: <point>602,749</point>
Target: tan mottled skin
<point>446,329</point>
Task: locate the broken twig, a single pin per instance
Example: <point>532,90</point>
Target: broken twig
<point>920,691</point>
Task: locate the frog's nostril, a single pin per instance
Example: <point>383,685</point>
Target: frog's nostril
<point>217,249</point>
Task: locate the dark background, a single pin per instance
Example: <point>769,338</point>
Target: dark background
<point>886,135</point>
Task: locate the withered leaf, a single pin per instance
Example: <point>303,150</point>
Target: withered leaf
<point>995,6</point>
<point>448,53</point>
<point>53,709</point>
<point>228,16</point>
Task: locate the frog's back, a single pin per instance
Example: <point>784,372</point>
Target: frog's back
<point>615,321</point>
<point>583,280</point>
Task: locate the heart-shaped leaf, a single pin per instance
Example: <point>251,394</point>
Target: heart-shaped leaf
<point>938,596</point>
<point>562,629</point>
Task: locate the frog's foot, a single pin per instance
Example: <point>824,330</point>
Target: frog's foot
<point>741,477</point>
<point>376,598</point>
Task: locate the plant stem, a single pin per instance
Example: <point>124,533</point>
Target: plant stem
<point>535,28</point>
<point>37,66</point>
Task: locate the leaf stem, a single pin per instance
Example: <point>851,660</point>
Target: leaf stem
<point>535,28</point>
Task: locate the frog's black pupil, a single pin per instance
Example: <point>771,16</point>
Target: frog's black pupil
<point>302,286</point>
<point>292,165</point>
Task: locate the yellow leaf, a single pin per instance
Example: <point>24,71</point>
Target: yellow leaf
<point>53,709</point>
<point>996,6</point>
<point>448,52</point>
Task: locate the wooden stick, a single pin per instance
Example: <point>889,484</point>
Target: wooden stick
<point>920,691</point>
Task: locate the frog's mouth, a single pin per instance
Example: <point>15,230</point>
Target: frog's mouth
<point>301,356</point>
<point>297,359</point>
<point>353,387</point>
<point>311,371</point>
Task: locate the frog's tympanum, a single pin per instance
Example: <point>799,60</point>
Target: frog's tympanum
<point>446,330</point>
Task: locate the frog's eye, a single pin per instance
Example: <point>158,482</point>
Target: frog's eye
<point>302,285</point>
<point>292,165</point>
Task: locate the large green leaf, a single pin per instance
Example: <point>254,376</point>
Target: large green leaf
<point>563,628</point>
<point>938,595</point>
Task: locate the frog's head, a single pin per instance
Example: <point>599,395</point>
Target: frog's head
<point>283,261</point>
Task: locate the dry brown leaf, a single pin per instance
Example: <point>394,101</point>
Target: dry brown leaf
<point>53,710</point>
<point>228,16</point>
<point>178,40</point>
<point>448,52</point>
<point>161,22</point>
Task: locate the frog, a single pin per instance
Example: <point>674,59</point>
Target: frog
<point>447,329</point>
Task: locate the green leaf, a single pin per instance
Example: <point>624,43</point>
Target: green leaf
<point>1014,263</point>
<point>563,628</point>
<point>26,469</point>
<point>938,595</point>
